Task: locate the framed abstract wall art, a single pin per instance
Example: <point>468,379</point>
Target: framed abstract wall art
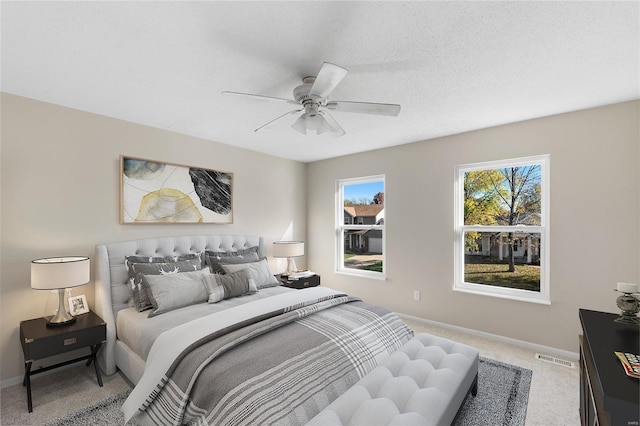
<point>154,192</point>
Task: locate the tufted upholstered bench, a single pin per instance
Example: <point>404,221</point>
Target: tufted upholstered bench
<point>423,383</point>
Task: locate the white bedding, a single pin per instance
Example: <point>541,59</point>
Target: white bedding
<point>139,332</point>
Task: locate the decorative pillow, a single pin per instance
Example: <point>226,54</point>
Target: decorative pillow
<point>163,259</point>
<point>230,285</point>
<point>215,263</point>
<point>214,259</point>
<point>259,271</point>
<point>173,291</point>
<point>140,298</point>
<point>214,288</point>
<point>129,260</point>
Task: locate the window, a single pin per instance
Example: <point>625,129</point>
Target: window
<point>501,229</point>
<point>360,242</point>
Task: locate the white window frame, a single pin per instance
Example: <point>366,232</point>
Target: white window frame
<point>543,296</point>
<point>341,228</point>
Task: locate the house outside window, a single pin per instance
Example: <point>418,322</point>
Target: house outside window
<point>501,229</point>
<point>360,233</point>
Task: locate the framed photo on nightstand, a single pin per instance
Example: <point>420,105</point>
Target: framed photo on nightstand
<point>78,305</point>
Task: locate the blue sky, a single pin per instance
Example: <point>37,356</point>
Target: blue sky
<point>363,190</point>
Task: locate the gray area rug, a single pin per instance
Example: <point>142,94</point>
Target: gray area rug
<point>503,394</point>
<point>105,412</point>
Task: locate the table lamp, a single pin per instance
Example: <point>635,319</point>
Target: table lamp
<point>59,273</point>
<point>288,249</point>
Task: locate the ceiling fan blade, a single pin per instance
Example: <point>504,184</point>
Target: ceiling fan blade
<point>336,130</point>
<point>266,98</point>
<point>364,107</point>
<point>328,78</point>
<point>264,126</point>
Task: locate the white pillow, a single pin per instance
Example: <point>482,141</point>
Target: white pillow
<point>258,271</point>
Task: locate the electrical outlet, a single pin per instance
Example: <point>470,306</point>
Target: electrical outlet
<point>416,295</point>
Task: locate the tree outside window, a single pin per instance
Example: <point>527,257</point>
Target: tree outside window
<point>501,217</point>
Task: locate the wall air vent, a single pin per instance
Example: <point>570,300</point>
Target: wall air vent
<point>554,360</point>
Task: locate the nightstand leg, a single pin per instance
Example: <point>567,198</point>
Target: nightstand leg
<point>27,382</point>
<point>94,352</point>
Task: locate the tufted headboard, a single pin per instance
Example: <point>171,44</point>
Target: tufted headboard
<point>112,291</point>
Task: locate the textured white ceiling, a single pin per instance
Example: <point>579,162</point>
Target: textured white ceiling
<point>453,66</point>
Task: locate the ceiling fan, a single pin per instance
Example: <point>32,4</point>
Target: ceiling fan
<point>312,95</point>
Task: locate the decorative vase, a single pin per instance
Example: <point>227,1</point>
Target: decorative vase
<point>629,306</point>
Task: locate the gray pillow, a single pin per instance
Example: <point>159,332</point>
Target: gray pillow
<point>215,263</point>
<point>232,285</point>
<point>173,291</point>
<point>163,259</point>
<point>140,298</point>
<point>211,256</point>
<point>259,271</point>
<point>130,260</point>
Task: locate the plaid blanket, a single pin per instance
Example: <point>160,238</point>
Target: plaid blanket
<point>278,368</point>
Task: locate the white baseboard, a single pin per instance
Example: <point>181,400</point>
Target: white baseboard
<point>10,382</point>
<point>18,380</point>
<point>561,353</point>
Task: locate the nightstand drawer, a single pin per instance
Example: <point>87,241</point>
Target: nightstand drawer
<point>54,345</point>
<point>41,341</point>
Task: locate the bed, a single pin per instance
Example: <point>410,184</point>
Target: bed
<point>266,355</point>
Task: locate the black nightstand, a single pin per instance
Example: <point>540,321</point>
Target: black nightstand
<point>312,281</point>
<point>41,341</point>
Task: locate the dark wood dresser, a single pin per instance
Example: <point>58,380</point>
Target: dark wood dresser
<point>607,395</point>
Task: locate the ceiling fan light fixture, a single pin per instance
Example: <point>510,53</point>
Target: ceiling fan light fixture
<point>311,122</point>
<point>324,126</point>
<point>334,128</point>
<point>300,125</point>
<point>314,120</point>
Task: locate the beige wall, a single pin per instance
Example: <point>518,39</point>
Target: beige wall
<point>595,211</point>
<point>60,196</point>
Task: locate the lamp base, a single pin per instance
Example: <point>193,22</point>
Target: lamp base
<point>291,267</point>
<point>61,317</point>
<point>51,323</point>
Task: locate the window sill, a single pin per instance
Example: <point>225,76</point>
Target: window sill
<point>541,300</point>
<point>362,274</point>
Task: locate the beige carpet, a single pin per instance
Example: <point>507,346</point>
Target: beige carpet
<point>57,393</point>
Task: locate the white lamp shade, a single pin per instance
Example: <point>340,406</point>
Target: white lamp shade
<point>288,248</point>
<point>59,272</point>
